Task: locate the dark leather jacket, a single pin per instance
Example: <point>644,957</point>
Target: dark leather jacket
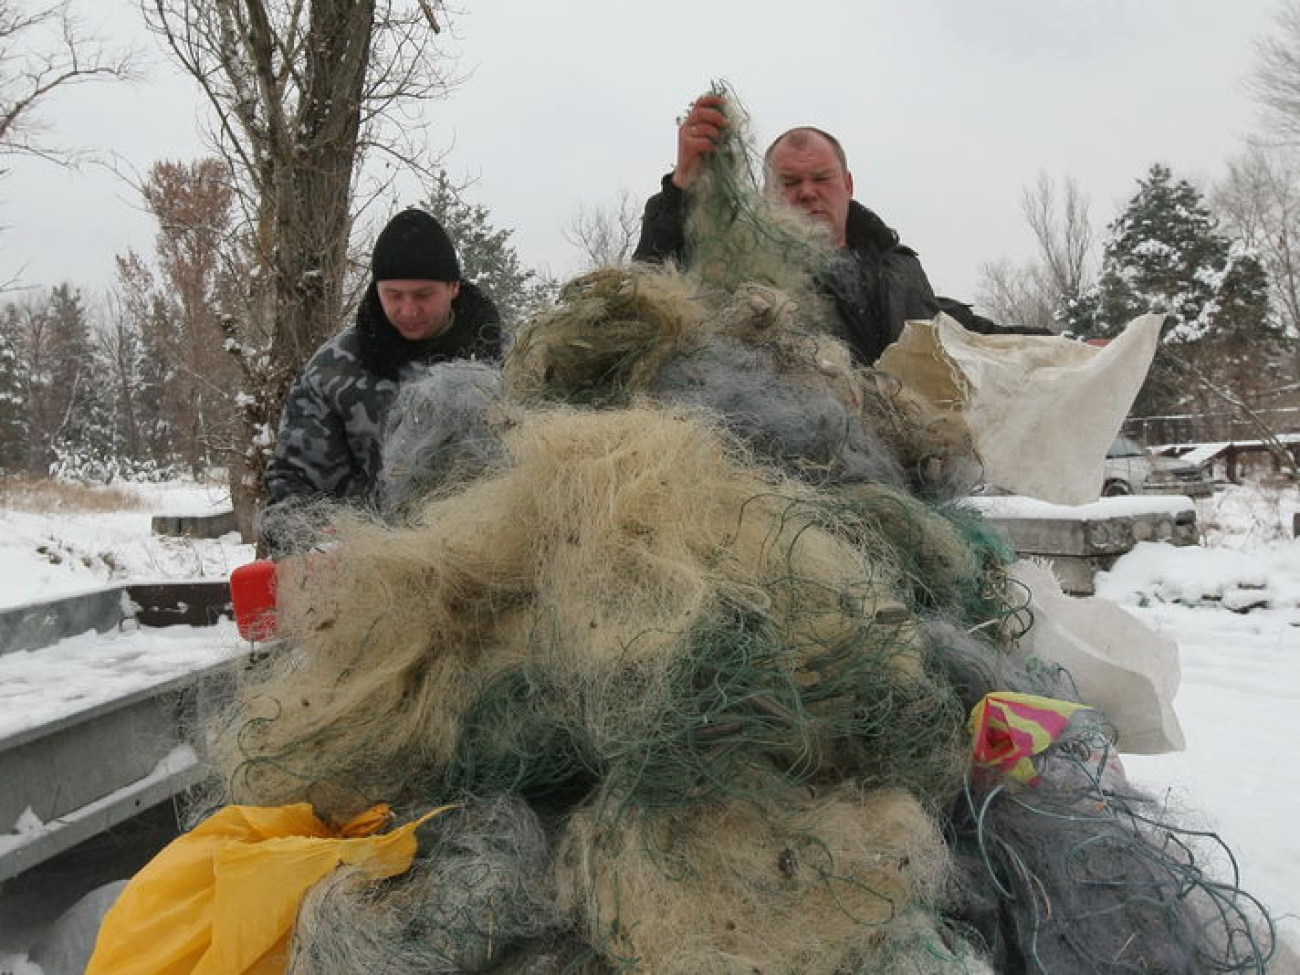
<point>876,286</point>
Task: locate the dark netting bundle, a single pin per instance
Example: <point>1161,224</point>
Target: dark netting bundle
<point>682,610</point>
<point>440,431</point>
<point>1081,872</point>
<point>764,367</point>
<point>482,881</point>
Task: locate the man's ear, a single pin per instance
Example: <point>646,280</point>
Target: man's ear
<point>455,289</point>
<point>848,181</point>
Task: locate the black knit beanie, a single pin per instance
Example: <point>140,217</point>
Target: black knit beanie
<point>414,247</point>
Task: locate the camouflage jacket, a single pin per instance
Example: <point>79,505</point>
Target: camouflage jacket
<point>330,432</point>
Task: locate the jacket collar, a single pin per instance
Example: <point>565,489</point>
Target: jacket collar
<point>866,232</point>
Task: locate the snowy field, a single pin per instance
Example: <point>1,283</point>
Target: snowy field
<point>1233,605</point>
<point>59,552</point>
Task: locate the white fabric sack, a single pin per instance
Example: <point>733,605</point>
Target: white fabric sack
<point>1119,665</point>
<point>1042,410</point>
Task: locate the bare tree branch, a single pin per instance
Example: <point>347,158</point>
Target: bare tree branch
<point>1035,294</point>
<point>606,236</point>
<point>1260,201</point>
<point>1017,295</point>
<point>1267,433</point>
<point>1064,231</point>
<point>41,53</point>
<point>1275,81</point>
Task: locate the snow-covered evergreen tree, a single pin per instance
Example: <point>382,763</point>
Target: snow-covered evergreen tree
<point>50,341</point>
<point>71,360</point>
<point>85,442</point>
<point>12,429</point>
<point>149,311</point>
<point>1165,254</point>
<point>487,257</point>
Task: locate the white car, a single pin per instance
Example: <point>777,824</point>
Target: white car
<point>1132,469</point>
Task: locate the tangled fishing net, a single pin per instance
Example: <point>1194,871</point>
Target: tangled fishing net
<point>682,608</point>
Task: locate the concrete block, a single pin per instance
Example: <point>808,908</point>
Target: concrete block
<point>1079,543</point>
<point>195,526</point>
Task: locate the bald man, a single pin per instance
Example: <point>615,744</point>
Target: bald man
<point>878,283</point>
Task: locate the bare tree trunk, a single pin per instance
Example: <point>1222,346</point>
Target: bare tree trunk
<point>1064,232</point>
<point>307,186</point>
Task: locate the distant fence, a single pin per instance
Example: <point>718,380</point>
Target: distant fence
<point>1210,427</point>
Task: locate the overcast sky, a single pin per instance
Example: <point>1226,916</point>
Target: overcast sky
<point>948,110</point>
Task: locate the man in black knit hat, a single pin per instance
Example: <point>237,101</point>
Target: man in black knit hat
<point>417,311</point>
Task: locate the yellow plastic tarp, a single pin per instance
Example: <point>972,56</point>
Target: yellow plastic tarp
<point>222,899</point>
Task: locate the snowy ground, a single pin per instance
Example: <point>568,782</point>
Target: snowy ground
<point>1233,605</point>
<point>59,553</point>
